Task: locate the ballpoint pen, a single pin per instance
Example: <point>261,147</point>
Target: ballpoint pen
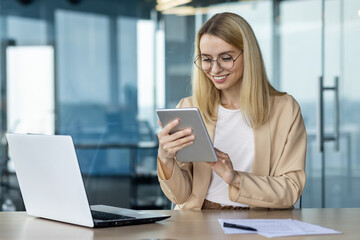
<point>231,225</point>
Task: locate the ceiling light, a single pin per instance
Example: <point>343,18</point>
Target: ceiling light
<point>167,4</point>
<point>185,11</point>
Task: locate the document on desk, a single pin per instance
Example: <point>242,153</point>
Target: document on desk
<point>275,227</point>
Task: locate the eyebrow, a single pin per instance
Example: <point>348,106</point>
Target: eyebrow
<point>227,52</point>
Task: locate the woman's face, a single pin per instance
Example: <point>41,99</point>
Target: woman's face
<point>213,48</point>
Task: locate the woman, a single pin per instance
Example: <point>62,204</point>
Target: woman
<point>258,132</point>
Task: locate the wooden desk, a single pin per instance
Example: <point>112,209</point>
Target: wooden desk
<point>193,225</point>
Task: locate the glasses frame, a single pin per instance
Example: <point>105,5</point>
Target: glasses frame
<point>217,61</point>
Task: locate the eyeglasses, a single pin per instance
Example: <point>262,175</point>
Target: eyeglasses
<point>224,61</point>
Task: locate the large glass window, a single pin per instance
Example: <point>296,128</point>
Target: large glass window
<point>105,62</point>
<point>83,76</point>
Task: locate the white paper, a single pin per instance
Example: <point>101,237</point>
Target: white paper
<point>276,227</point>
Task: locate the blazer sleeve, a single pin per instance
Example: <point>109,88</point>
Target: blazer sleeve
<point>178,187</point>
<point>286,180</point>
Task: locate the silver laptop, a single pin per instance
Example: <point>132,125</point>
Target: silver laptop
<point>52,187</point>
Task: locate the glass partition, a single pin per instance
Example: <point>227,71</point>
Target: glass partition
<point>319,40</point>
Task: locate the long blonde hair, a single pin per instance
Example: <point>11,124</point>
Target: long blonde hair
<point>255,88</point>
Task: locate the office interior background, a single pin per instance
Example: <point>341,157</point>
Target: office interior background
<point>98,69</point>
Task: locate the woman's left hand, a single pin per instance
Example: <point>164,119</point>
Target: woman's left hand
<point>224,168</point>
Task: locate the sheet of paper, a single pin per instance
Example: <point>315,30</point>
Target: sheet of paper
<point>276,227</point>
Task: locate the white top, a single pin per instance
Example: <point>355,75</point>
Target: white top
<point>234,137</point>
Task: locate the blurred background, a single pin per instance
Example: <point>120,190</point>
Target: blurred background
<point>98,69</point>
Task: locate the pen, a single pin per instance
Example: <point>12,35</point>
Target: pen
<point>231,225</point>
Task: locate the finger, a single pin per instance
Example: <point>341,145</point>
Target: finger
<point>174,140</point>
<point>180,141</point>
<point>167,129</point>
<point>219,151</point>
<point>174,149</point>
<point>221,154</point>
<point>181,134</point>
<point>160,124</point>
<point>228,164</point>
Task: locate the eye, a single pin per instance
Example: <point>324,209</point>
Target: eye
<point>206,59</point>
<point>226,58</point>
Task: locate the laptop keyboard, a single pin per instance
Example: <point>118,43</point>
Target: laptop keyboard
<point>108,216</point>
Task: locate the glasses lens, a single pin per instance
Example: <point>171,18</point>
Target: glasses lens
<point>225,61</point>
<point>203,62</point>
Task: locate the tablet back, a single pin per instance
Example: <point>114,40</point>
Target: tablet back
<point>202,149</point>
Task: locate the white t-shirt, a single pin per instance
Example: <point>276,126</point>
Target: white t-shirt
<point>234,137</point>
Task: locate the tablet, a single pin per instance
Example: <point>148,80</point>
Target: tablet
<point>202,149</point>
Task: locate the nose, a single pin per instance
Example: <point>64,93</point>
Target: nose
<point>215,68</point>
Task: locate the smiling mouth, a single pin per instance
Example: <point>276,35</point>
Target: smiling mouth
<point>220,79</point>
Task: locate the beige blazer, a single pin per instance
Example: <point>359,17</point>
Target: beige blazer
<point>278,175</point>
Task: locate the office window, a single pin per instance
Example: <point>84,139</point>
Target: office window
<point>83,59</point>
<point>146,68</point>
<point>30,89</point>
<point>86,108</point>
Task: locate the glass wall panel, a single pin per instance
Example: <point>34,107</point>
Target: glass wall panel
<point>23,38</point>
<point>179,38</point>
<point>342,37</point>
<point>26,31</point>
<point>127,64</point>
<point>96,81</point>
<point>314,47</point>
<point>84,89</point>
<point>83,63</point>
<point>300,71</point>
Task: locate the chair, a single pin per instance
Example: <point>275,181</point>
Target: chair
<point>298,204</point>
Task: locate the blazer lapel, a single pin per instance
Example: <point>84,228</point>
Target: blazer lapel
<point>261,166</point>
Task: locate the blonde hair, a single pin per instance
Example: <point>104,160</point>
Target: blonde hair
<point>255,88</point>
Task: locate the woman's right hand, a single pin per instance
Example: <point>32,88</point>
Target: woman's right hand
<point>170,144</point>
